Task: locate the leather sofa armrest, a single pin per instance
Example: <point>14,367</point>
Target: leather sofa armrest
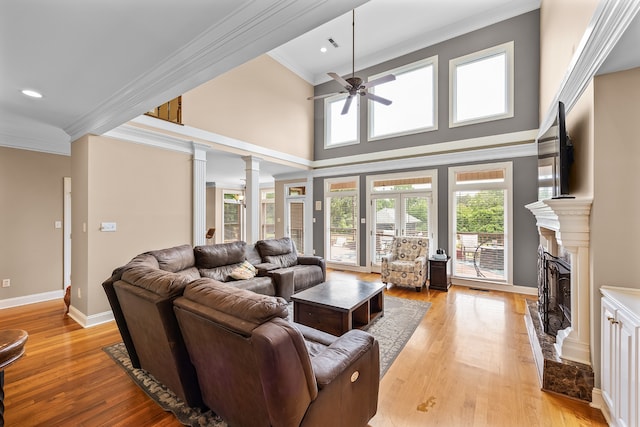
<point>342,353</point>
<point>283,281</point>
<point>310,260</point>
<point>315,260</point>
<point>264,268</point>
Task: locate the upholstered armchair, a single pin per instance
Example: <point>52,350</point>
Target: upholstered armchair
<point>406,265</point>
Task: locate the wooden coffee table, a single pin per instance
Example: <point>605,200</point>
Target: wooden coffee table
<point>337,306</point>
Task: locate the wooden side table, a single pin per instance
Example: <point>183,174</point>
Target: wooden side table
<point>438,277</point>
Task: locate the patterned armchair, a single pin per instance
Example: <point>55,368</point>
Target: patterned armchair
<point>406,265</point>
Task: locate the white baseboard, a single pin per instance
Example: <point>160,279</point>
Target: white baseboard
<point>495,286</point>
<point>89,321</point>
<point>598,402</point>
<point>30,299</point>
<point>348,267</point>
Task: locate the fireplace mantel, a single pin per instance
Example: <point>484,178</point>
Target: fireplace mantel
<point>569,218</point>
<point>565,222</point>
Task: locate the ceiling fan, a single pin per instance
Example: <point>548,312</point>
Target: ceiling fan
<point>354,85</point>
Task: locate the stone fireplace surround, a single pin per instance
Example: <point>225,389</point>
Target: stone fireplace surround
<point>564,363</point>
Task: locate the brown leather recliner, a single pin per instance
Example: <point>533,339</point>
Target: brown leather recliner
<point>291,272</point>
<point>255,368</point>
<point>145,290</point>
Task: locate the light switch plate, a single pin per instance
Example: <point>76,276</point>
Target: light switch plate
<point>108,226</point>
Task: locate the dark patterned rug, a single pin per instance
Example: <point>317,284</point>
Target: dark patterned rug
<point>393,330</point>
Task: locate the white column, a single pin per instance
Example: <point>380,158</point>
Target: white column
<point>252,198</point>
<point>199,194</point>
<point>572,343</point>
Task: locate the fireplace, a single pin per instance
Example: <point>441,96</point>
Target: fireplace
<point>558,322</point>
<point>554,292</point>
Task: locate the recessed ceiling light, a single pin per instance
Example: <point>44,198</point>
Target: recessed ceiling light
<point>323,49</point>
<point>31,93</point>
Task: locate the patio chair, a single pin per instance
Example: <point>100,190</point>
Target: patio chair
<point>406,265</point>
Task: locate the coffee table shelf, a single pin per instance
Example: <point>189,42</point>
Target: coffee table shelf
<point>338,306</point>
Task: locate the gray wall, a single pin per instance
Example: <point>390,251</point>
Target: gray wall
<point>524,30</point>
<point>525,234</point>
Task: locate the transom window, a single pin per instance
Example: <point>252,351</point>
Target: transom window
<point>340,129</point>
<point>481,86</point>
<point>414,100</point>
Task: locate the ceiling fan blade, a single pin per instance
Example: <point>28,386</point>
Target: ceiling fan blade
<point>377,98</point>
<point>326,95</point>
<point>340,80</point>
<point>347,104</point>
<point>379,81</point>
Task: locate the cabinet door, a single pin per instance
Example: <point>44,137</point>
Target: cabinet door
<point>627,414</point>
<point>608,373</point>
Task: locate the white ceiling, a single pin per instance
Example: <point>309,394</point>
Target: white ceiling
<point>154,50</point>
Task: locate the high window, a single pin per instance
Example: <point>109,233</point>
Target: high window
<point>481,86</point>
<point>341,207</point>
<point>481,207</point>
<point>340,129</point>
<point>414,100</point>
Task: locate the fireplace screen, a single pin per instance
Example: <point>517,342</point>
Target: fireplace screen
<point>554,292</point>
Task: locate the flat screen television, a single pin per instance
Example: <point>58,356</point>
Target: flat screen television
<point>555,157</point>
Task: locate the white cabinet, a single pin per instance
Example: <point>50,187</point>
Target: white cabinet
<point>620,381</point>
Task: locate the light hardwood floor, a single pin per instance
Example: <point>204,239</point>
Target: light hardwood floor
<point>468,363</point>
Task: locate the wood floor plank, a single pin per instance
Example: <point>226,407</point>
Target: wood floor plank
<point>469,363</point>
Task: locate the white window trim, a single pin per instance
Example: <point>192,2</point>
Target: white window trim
<point>327,219</point>
<point>327,120</point>
<point>506,48</point>
<point>408,67</point>
<point>433,228</point>
<point>508,226</point>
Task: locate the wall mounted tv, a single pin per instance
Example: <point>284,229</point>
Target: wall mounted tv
<point>555,157</point>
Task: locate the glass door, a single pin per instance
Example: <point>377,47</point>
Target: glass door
<point>296,211</point>
<point>385,226</point>
<point>404,214</point>
<point>295,223</point>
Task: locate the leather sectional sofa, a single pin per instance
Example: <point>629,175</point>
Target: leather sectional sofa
<point>142,295</point>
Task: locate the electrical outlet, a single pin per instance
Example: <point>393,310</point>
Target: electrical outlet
<point>79,294</point>
<point>6,283</point>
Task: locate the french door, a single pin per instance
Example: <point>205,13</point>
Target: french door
<point>403,214</point>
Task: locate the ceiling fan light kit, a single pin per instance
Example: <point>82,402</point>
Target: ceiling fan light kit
<point>354,85</point>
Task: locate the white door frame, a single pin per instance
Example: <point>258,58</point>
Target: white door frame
<point>66,231</point>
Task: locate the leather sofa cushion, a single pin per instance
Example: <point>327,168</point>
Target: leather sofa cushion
<point>222,254</point>
<point>260,285</point>
<point>160,282</point>
<point>239,309</point>
<point>175,259</point>
<point>280,252</point>
<point>221,273</point>
<point>252,254</point>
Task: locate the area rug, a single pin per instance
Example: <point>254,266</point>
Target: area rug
<point>393,330</point>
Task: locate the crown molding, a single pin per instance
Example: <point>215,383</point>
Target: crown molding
<point>254,28</point>
<point>608,23</point>
<point>514,145</point>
